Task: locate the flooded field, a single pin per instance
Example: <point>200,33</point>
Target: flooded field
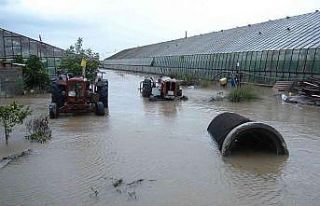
<point>163,154</point>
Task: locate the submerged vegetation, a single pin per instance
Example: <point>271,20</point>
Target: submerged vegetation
<point>187,79</point>
<point>38,129</point>
<point>205,83</point>
<point>244,93</point>
<point>190,79</point>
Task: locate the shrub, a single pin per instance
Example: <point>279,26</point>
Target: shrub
<point>38,129</point>
<point>11,115</point>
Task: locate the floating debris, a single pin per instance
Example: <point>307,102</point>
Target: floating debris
<point>136,182</point>
<point>132,195</point>
<point>6,160</point>
<point>310,87</point>
<point>124,188</point>
<point>117,182</point>
<point>121,187</point>
<point>139,181</point>
<point>307,92</point>
<point>95,191</point>
<point>218,97</point>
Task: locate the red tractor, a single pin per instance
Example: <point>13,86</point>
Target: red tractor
<point>77,95</point>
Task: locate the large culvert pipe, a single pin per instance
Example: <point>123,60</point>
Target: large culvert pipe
<point>234,132</point>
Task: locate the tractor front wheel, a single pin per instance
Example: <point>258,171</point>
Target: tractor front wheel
<point>53,111</point>
<point>100,109</point>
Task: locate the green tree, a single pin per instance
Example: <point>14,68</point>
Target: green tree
<point>71,60</point>
<point>11,115</point>
<point>34,74</point>
<point>18,59</point>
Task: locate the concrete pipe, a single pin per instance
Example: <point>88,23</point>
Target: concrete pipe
<point>234,132</point>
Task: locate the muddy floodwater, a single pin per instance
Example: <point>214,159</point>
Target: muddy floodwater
<point>163,154</point>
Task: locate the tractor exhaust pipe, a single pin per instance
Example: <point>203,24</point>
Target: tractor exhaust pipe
<point>234,132</point>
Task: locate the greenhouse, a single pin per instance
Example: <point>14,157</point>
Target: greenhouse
<point>283,49</point>
<point>13,45</point>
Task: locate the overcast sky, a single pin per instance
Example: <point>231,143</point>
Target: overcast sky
<point>108,26</point>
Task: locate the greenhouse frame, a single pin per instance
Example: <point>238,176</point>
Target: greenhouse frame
<point>283,49</point>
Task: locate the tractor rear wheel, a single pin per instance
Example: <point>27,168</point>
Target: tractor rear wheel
<point>53,111</point>
<point>100,109</point>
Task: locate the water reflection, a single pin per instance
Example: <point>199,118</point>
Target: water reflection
<point>256,162</point>
<point>159,108</point>
<point>256,177</point>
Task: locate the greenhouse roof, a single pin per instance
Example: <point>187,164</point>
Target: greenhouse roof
<point>13,35</point>
<point>295,32</point>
